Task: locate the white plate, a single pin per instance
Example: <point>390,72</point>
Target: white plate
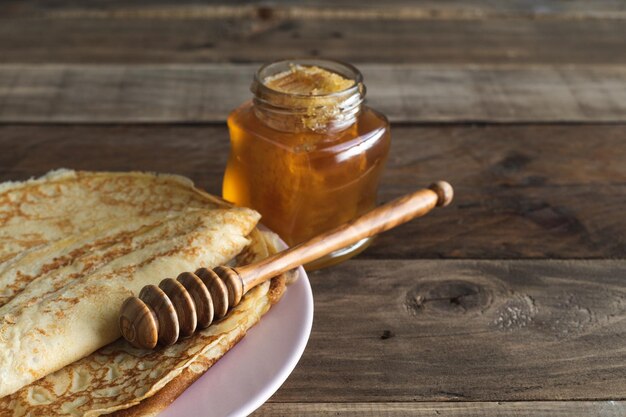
<point>257,366</point>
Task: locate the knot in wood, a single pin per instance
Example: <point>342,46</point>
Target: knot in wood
<point>448,297</point>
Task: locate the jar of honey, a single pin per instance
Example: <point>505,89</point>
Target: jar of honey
<point>305,151</point>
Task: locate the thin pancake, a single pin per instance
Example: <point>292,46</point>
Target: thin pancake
<point>74,245</point>
<point>135,382</point>
<point>65,202</point>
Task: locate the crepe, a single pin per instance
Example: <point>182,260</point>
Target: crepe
<point>72,247</point>
<point>125,381</point>
<point>64,202</point>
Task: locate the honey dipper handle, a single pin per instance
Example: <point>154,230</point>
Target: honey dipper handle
<point>376,221</point>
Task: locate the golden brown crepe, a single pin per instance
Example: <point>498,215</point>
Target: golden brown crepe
<point>72,247</point>
<point>125,381</point>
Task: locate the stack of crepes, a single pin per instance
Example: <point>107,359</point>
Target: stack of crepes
<point>73,246</point>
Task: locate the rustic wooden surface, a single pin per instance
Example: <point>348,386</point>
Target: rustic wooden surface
<point>404,92</point>
<point>510,302</point>
<point>465,330</point>
<point>448,409</point>
<point>158,31</point>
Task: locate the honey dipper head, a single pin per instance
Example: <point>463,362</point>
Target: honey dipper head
<point>445,193</point>
<point>137,324</point>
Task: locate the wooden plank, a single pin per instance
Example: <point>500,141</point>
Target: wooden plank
<point>447,409</point>
<point>265,34</point>
<point>324,9</point>
<point>406,93</point>
<point>538,191</point>
<point>563,188</point>
<point>412,331</point>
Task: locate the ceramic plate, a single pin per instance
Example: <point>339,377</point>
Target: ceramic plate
<point>258,365</point>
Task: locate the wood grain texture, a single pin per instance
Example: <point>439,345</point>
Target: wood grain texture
<point>266,34</point>
<point>447,409</point>
<point>324,9</point>
<point>464,331</point>
<point>405,93</point>
<point>530,191</point>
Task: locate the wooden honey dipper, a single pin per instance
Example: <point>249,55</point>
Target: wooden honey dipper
<point>177,307</point>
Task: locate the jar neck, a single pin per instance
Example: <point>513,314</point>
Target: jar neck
<point>314,112</point>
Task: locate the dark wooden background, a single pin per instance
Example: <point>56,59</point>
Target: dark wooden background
<point>510,302</point>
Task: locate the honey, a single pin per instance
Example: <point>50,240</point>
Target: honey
<point>305,152</point>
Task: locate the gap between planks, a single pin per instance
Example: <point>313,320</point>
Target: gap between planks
<point>183,93</point>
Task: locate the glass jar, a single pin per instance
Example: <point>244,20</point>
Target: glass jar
<point>307,160</point>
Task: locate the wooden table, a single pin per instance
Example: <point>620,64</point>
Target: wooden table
<point>510,302</point>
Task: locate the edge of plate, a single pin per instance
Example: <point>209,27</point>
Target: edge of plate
<point>293,359</point>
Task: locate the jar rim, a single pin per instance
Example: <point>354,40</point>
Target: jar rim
<point>349,71</point>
